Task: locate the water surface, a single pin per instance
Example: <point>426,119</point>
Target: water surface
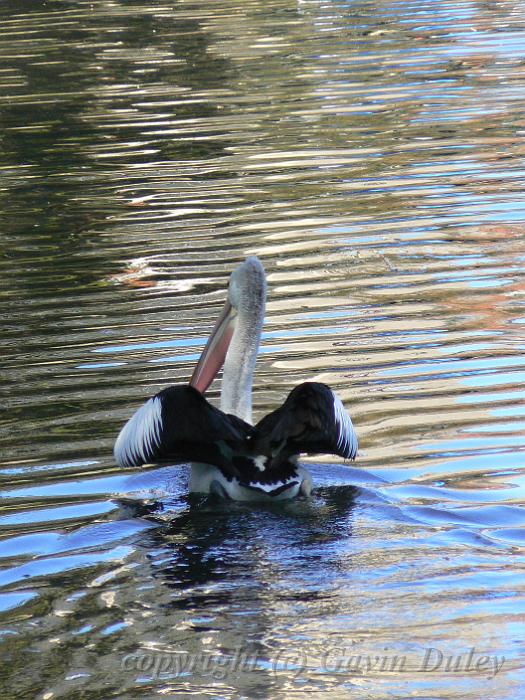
<point>372,155</point>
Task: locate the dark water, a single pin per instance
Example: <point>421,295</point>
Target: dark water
<point>373,155</point>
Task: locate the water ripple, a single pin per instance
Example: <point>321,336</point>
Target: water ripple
<point>372,156</point>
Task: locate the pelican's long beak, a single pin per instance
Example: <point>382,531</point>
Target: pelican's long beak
<point>214,353</point>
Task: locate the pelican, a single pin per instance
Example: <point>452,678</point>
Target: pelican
<point>230,456</point>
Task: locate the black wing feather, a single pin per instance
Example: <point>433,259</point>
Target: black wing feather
<point>178,424</point>
<point>311,420</point>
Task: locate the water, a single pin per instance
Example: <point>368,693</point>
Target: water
<point>372,155</point>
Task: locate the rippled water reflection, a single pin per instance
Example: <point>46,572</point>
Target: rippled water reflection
<point>372,155</point>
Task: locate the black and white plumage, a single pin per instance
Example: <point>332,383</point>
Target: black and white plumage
<point>179,424</point>
<point>312,420</point>
<point>230,456</point>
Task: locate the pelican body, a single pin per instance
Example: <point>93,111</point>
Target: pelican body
<point>230,456</point>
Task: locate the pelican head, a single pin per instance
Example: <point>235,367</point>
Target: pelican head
<point>234,340</point>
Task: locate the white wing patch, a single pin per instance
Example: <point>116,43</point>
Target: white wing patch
<point>346,437</point>
<point>140,437</point>
<point>260,462</point>
<point>269,488</point>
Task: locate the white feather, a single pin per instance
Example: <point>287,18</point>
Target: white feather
<point>203,476</point>
<point>260,462</point>
<point>346,438</point>
<point>268,488</point>
<point>141,435</point>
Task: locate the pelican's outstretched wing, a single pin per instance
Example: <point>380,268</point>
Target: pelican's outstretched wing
<point>177,425</point>
<point>311,420</point>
